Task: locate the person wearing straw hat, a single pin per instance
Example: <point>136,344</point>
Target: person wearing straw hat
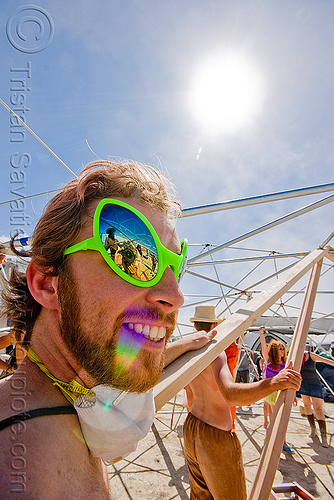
<point>205,322</point>
<point>212,449</point>
<point>205,319</point>
<point>206,315</point>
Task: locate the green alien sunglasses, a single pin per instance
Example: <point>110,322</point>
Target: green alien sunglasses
<point>130,245</point>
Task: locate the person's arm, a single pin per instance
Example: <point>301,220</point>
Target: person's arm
<point>3,365</point>
<point>190,342</point>
<point>7,340</point>
<point>189,397</point>
<point>246,394</point>
<point>320,359</point>
<point>264,346</point>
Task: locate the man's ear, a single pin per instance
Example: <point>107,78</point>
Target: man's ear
<point>42,287</point>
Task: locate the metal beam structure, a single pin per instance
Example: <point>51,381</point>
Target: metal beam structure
<point>184,369</point>
<point>297,255</point>
<point>265,227</point>
<point>255,200</point>
<point>37,138</point>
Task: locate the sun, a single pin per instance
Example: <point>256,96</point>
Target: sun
<point>227,93</point>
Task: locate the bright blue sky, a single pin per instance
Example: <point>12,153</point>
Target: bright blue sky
<point>118,74</point>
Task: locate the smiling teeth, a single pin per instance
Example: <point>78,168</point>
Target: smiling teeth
<point>154,333</point>
<point>138,328</point>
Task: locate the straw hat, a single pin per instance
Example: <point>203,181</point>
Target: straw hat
<point>204,314</point>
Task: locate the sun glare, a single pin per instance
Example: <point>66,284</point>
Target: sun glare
<point>227,93</point>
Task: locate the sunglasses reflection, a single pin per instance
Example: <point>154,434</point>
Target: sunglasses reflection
<point>133,258</point>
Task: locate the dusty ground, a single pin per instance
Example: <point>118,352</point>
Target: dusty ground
<point>157,470</point>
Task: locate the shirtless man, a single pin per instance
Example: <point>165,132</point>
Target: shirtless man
<point>212,449</point>
<point>92,332</point>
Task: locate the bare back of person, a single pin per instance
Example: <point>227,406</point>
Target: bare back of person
<point>206,402</point>
<point>44,457</point>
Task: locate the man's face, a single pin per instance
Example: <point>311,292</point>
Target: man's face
<point>207,327</point>
<point>115,330</point>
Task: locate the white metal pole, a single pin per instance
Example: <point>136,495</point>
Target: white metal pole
<point>276,222</point>
<point>254,200</point>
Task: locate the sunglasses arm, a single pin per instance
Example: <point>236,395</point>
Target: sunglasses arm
<point>174,260</point>
<point>89,244</point>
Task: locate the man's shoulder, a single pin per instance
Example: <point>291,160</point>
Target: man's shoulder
<point>45,454</point>
<point>49,454</point>
<point>42,438</point>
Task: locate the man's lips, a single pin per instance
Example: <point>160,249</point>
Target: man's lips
<point>154,333</point>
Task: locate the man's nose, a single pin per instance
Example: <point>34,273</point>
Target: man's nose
<point>167,292</point>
